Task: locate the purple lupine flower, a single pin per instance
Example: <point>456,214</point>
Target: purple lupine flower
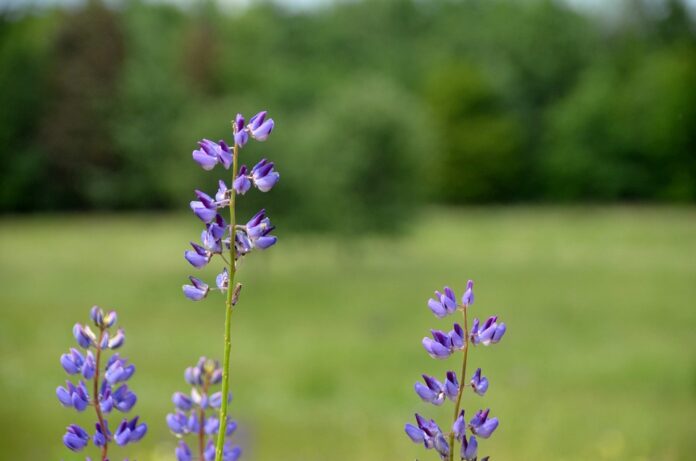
<point>459,426</point>
<point>183,452</point>
<point>129,431</point>
<point>204,157</point>
<point>441,345</point>
<point>198,257</point>
<point>451,386</point>
<point>72,362</point>
<point>242,184</point>
<point>432,391</point>
<point>469,449</point>
<point>84,335</point>
<point>258,229</point>
<point>223,280</point>
<point>115,370</point>
<point>444,303</point>
<point>205,208</point>
<point>489,333</point>
<point>456,336</point>
<point>468,296</point>
<point>259,128</point>
<point>481,425</point>
<point>264,176</point>
<point>479,383</point>
<point>76,438</point>
<point>201,403</point>
<point>197,290</point>
<point>240,134</point>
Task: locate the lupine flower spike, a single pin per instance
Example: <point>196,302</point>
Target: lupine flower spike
<point>229,241</point>
<point>461,441</point>
<point>102,386</point>
<point>195,415</point>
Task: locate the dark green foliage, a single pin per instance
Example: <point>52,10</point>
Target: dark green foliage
<point>466,101</point>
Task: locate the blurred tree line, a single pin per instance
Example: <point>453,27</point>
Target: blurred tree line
<point>379,104</point>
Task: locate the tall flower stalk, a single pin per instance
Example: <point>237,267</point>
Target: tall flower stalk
<point>220,238</point>
<point>108,388</point>
<point>440,346</point>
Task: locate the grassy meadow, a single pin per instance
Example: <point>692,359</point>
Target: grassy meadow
<point>599,361</point>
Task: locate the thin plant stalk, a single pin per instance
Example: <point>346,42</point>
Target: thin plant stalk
<point>95,401</point>
<point>232,270</point>
<point>461,383</point>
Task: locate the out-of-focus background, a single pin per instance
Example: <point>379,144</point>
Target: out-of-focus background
<point>546,149</point>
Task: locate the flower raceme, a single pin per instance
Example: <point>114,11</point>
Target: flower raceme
<point>441,345</point>
<point>195,415</point>
<point>229,241</point>
<point>107,392</point>
<point>218,236</point>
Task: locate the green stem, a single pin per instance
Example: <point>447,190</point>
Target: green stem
<point>95,396</point>
<point>462,386</point>
<point>228,317</point>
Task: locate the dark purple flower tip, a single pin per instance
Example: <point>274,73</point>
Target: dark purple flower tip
<point>197,290</point>
<point>89,366</point>
<point>183,452</point>
<point>76,438</point>
<point>414,433</point>
<point>242,183</point>
<point>224,155</point>
<point>117,340</point>
<point>469,449</point>
<point>456,336</point>
<point>199,257</point>
<point>256,219</point>
<point>489,333</point>
<point>79,397</point>
<point>257,120</point>
<point>130,431</point>
<point>262,132</point>
<point>72,362</point>
<point>459,426</point>
<point>468,296</point>
<point>481,425</point>
<point>263,175</point>
<point>451,386</point>
<point>84,336</point>
<point>101,436</point>
<point>182,401</point>
<point>479,383</point>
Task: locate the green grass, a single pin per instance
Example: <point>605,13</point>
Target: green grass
<point>599,361</point>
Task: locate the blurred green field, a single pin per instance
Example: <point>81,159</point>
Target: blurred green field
<point>599,361</point>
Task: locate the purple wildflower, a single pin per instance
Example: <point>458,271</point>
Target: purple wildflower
<point>444,303</point>
<point>115,370</point>
<point>194,413</point>
<point>441,345</point>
